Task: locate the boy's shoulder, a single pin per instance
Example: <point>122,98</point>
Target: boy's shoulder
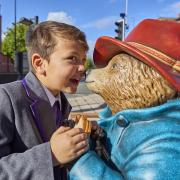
<point>12,87</point>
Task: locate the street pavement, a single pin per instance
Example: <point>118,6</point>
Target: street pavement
<point>85,102</point>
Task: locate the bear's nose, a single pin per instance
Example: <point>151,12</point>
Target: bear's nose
<point>123,122</point>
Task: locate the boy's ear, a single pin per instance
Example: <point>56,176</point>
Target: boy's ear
<point>38,64</point>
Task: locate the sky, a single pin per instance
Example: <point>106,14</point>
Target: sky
<point>94,17</point>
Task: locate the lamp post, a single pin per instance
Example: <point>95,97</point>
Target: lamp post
<point>126,12</point>
<point>15,27</point>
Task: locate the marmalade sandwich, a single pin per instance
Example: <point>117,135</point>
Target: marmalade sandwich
<point>81,121</point>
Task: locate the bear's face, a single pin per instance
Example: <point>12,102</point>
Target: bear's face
<point>128,83</point>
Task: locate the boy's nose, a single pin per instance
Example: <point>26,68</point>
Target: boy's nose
<point>81,68</point>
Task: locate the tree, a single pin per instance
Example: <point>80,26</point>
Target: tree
<point>88,63</point>
<point>8,41</point>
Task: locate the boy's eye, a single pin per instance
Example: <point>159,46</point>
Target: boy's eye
<point>76,60</point>
<point>73,59</point>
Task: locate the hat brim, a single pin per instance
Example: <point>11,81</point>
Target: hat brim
<point>107,47</point>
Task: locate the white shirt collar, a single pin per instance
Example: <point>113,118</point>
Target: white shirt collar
<point>51,97</point>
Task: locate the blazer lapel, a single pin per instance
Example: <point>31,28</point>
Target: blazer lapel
<point>44,118</point>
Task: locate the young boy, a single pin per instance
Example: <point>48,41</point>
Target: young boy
<point>33,144</point>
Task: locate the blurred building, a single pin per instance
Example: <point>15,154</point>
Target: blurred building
<point>6,65</point>
<point>7,73</point>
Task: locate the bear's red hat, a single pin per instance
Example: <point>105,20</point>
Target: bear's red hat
<point>154,42</point>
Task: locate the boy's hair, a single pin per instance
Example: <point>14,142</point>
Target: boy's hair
<point>43,38</point>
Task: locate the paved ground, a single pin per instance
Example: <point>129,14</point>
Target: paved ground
<point>86,102</point>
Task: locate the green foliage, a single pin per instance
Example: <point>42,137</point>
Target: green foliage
<point>8,42</point>
<point>88,63</point>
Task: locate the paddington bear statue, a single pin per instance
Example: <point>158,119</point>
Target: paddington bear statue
<point>139,79</point>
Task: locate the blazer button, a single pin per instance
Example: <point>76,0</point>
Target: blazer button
<point>122,121</point>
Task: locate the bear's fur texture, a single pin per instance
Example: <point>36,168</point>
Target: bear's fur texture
<point>127,83</point>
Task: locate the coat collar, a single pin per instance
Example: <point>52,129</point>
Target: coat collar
<point>125,117</point>
<point>35,87</point>
<point>171,107</point>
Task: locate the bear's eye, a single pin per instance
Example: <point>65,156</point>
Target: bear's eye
<point>114,65</point>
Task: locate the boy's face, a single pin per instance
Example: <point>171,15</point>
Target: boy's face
<point>66,67</point>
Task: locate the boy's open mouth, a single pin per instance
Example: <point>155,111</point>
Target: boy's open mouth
<point>74,81</point>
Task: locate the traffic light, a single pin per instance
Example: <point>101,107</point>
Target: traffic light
<point>120,29</point>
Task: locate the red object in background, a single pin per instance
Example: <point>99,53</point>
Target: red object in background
<point>6,66</point>
<point>154,42</point>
